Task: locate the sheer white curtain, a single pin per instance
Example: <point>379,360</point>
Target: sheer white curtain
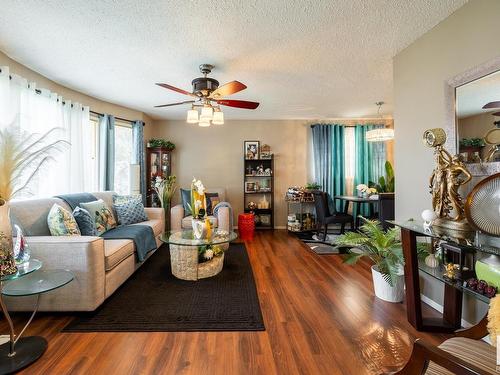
<point>22,107</point>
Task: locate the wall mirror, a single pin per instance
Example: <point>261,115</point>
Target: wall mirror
<point>477,114</point>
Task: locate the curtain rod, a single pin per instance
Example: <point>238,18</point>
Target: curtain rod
<point>39,92</point>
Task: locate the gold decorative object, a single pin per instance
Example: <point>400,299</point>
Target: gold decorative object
<point>449,174</point>
<point>451,271</point>
<point>492,138</point>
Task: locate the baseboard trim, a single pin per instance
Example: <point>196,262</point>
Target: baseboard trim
<point>438,307</point>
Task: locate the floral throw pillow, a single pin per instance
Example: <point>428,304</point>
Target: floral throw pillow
<point>101,215</point>
<point>61,222</point>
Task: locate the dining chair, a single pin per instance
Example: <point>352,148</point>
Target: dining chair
<point>324,217</point>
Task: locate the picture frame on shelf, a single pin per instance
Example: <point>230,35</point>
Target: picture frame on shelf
<point>252,150</point>
<point>250,187</point>
<point>265,219</point>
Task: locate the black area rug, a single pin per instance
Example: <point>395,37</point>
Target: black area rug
<point>154,300</point>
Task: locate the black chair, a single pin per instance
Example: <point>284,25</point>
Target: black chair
<point>324,217</point>
<point>386,209</point>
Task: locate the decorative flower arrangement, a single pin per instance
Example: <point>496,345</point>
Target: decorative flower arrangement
<point>165,188</point>
<point>362,188</point>
<point>201,224</point>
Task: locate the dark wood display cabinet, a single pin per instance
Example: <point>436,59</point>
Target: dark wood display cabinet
<point>158,163</point>
<point>258,185</point>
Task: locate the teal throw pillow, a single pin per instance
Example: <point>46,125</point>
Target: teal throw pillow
<point>186,201</point>
<point>61,222</point>
<point>84,221</point>
<point>130,212</point>
<point>101,215</point>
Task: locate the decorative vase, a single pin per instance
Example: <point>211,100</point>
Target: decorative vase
<point>199,228</point>
<point>431,261</point>
<point>384,290</point>
<point>488,269</point>
<point>7,262</point>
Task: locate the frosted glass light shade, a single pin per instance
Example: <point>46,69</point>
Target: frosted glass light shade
<point>206,113</point>
<point>380,135</point>
<point>192,116</point>
<point>218,118</point>
<point>204,123</point>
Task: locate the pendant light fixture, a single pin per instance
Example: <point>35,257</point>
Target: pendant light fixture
<point>218,118</point>
<point>381,134</point>
<point>192,116</point>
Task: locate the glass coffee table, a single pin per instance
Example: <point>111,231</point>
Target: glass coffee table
<point>19,351</point>
<point>184,253</point>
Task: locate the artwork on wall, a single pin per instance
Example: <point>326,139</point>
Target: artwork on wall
<point>251,149</point>
<point>250,187</point>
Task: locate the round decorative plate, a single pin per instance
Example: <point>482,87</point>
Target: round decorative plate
<point>482,208</point>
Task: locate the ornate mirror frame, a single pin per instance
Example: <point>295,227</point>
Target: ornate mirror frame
<point>451,123</point>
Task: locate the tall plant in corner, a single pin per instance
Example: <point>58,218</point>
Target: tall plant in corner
<point>384,250</point>
<point>22,157</point>
<point>385,183</point>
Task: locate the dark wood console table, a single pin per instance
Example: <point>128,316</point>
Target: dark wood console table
<point>453,290</point>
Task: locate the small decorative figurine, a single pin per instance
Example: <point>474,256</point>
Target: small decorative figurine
<point>451,271</point>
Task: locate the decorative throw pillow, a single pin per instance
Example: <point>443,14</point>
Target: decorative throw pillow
<point>126,198</point>
<point>101,215</point>
<point>61,222</point>
<point>186,201</point>
<point>212,201</point>
<point>84,221</point>
<point>130,212</point>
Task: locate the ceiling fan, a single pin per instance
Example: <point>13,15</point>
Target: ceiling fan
<point>208,95</point>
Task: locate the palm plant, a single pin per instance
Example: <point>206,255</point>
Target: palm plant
<point>22,156</point>
<point>382,247</point>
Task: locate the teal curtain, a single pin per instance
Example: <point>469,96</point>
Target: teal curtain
<point>329,170</point>
<point>106,152</point>
<point>370,160</point>
<point>138,156</point>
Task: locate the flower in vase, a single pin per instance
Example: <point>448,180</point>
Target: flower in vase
<point>200,189</point>
<point>208,254</point>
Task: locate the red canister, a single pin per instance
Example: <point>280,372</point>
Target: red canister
<point>246,226</point>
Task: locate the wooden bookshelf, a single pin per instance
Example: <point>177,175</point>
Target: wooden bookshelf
<point>258,184</point>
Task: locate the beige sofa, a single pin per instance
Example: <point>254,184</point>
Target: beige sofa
<point>100,266</point>
<point>222,221</point>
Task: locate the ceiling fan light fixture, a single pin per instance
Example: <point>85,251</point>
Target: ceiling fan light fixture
<point>206,113</point>
<point>218,118</point>
<point>192,116</point>
<point>204,123</point>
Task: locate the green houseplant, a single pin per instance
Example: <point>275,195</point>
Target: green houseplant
<point>158,142</point>
<point>385,183</point>
<point>384,250</point>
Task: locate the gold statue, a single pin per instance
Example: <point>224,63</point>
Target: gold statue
<point>449,174</point>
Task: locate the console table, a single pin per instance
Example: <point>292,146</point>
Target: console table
<point>453,290</point>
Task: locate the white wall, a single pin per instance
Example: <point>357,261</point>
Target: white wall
<point>464,40</point>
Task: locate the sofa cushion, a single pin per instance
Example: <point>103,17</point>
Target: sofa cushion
<point>475,352</point>
<point>84,221</point>
<point>156,224</point>
<point>61,222</point>
<point>101,215</point>
<point>187,222</point>
<point>115,251</point>
<point>31,214</point>
<point>130,212</point>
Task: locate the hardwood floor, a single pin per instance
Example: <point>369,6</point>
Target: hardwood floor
<point>321,317</point>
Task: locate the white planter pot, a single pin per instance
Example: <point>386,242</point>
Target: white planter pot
<point>384,290</point>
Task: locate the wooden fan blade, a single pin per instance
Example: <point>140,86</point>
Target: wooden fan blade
<point>492,105</point>
<point>172,104</point>
<point>238,104</point>
<point>176,89</point>
<point>496,114</point>
<point>228,89</point>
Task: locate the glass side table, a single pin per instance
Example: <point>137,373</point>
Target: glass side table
<point>19,352</point>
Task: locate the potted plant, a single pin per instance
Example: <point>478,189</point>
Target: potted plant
<point>384,249</point>
<point>165,188</point>
<point>157,142</point>
<point>385,183</point>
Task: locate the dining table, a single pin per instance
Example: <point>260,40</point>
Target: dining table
<point>357,202</point>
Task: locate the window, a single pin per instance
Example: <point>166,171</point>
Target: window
<point>123,156</point>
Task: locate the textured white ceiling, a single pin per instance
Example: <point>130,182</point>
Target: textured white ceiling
<point>311,59</point>
<point>472,96</point>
